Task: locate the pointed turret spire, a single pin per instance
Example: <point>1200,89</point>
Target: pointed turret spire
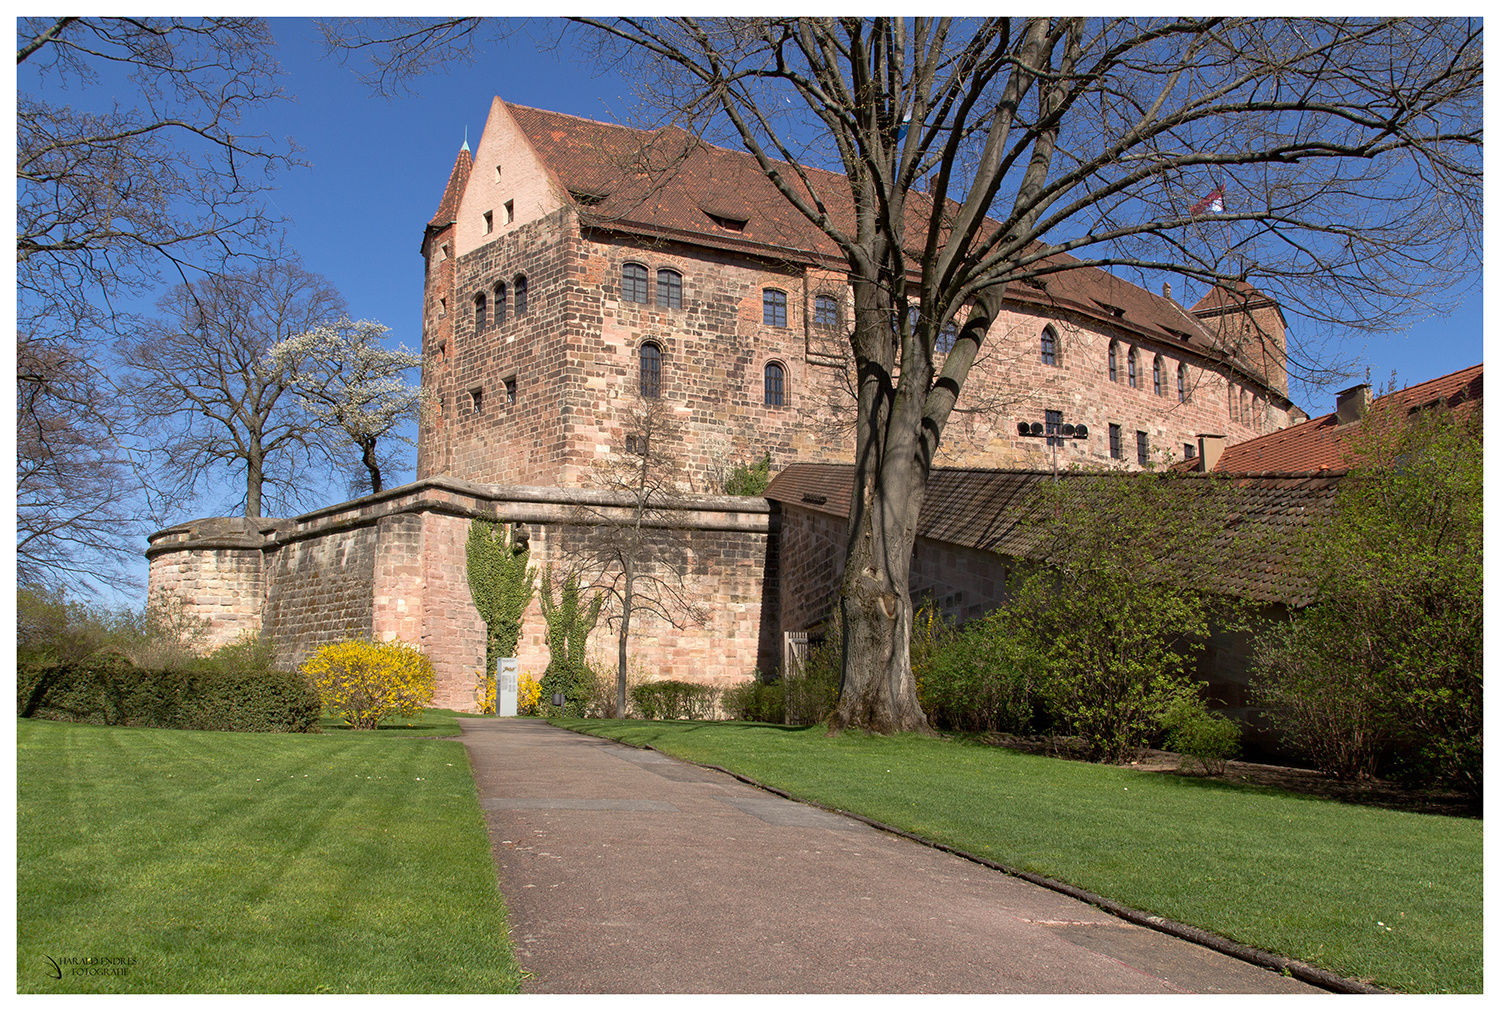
<point>447,211</point>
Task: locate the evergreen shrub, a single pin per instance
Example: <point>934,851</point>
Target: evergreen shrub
<point>675,700</point>
<point>1209,739</point>
<point>756,701</point>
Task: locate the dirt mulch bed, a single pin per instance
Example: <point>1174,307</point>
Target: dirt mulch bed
<point>1373,792</point>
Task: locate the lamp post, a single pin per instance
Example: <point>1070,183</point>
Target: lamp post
<point>1054,430</point>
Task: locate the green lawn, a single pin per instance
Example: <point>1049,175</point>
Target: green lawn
<point>221,862</point>
<point>1383,896</point>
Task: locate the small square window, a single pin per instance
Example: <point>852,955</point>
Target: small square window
<point>510,211</point>
<point>1189,451</point>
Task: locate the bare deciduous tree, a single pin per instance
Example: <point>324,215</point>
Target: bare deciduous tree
<point>201,379</point>
<point>1332,164</point>
<point>631,548</point>
<point>130,161</point>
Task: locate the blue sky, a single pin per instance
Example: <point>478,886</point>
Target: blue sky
<point>378,166</point>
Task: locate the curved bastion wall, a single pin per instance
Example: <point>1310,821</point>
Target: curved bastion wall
<point>393,566</point>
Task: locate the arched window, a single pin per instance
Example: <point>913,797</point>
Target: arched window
<point>499,302</point>
<point>1114,361</point>
<point>633,283</point>
<point>1182,382</point>
<point>946,338</point>
<point>668,289</point>
<point>650,370</point>
<point>479,306</point>
<point>775,384</point>
<point>1132,362</point>
<point>1156,376</point>
<point>1049,346</point>
<point>825,311</point>
<point>773,307</point>
<point>520,294</point>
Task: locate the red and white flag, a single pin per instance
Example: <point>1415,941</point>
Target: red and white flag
<point>1211,204</point>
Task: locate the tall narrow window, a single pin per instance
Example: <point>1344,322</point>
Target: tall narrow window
<point>1132,362</point>
<point>1116,451</point>
<point>1054,426</point>
<point>1049,347</point>
<point>825,311</point>
<point>775,384</point>
<point>476,399</point>
<point>489,222</point>
<point>479,307</point>
<point>1182,382</point>
<point>946,338</point>
<point>1114,361</point>
<point>668,289</point>
<point>510,392</point>
<point>1234,404</point>
<point>633,283</point>
<point>1156,375</point>
<point>520,294</point>
<point>650,370</point>
<point>499,302</point>
<point>1142,448</point>
<point>773,307</point>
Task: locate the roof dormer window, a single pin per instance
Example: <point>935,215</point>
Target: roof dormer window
<point>727,222</point>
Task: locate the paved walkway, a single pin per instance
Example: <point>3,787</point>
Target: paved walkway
<point>626,871</point>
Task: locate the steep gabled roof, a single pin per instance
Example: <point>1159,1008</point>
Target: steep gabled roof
<point>667,184</point>
<point>994,510</point>
<point>1321,443</point>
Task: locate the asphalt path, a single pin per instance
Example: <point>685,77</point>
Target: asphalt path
<point>626,871</point>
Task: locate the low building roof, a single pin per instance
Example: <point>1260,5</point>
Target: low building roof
<point>995,510</point>
<point>1322,443</point>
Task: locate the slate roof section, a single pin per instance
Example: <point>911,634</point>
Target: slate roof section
<point>1322,442</point>
<point>994,510</point>
<point>667,184</point>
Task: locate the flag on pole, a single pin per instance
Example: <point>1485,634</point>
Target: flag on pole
<point>1211,204</point>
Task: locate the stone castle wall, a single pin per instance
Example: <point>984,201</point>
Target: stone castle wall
<point>393,565</point>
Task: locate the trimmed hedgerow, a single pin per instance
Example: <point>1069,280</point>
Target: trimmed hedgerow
<point>107,689</point>
<point>674,700</point>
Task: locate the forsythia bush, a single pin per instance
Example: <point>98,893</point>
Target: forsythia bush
<point>484,693</point>
<point>368,681</point>
<point>528,694</point>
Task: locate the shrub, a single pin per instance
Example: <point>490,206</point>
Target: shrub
<point>985,678</point>
<point>810,694</point>
<point>484,692</point>
<point>367,681</point>
<point>755,701</point>
<point>1207,738</point>
<point>749,478</point>
<point>675,700</point>
<point>108,689</point>
<point>528,695</point>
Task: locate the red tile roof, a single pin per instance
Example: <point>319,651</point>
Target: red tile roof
<point>1321,442</point>
<point>993,510</point>
<point>447,211</point>
<point>669,184</point>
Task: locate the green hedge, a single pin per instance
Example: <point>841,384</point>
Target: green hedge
<point>109,690</point>
<point>675,700</point>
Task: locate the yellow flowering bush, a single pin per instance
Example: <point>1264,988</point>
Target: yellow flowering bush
<point>528,694</point>
<point>484,693</point>
<point>368,681</point>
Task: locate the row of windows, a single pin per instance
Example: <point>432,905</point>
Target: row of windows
<point>651,373</point>
<point>1117,449</point>
<point>501,296</point>
<point>635,286</point>
<point>1133,376</point>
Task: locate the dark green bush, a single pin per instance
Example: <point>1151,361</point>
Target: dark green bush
<point>984,678</point>
<point>1210,739</point>
<point>756,701</point>
<point>107,689</point>
<point>674,700</point>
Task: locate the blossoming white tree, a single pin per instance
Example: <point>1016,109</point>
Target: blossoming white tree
<point>347,379</point>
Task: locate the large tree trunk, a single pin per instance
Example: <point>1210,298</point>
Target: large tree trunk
<point>367,448</point>
<point>254,478</point>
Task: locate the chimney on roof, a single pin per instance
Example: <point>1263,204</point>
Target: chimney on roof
<point>1353,403</point>
<point>1166,289</point>
<point>1210,448</point>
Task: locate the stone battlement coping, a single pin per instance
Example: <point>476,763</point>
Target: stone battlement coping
<point>450,496</point>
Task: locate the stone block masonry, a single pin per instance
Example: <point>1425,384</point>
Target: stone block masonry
<point>393,566</point>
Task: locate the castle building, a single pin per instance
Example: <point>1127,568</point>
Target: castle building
<point>575,269</point>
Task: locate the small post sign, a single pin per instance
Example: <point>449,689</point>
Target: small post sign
<point>505,686</point>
